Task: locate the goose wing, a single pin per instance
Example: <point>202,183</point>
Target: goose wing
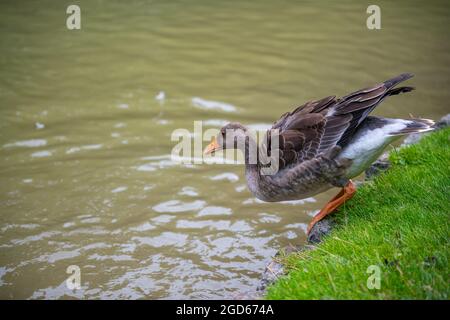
<point>317,126</point>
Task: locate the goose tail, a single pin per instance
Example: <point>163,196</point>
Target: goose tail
<point>413,126</point>
<point>391,83</point>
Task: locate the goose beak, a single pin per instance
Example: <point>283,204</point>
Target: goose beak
<point>212,147</point>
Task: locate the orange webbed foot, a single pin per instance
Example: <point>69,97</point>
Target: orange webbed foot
<point>345,194</point>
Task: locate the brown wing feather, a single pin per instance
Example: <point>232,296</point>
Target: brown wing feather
<point>317,126</point>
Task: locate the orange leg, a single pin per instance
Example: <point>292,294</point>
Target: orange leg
<point>346,193</point>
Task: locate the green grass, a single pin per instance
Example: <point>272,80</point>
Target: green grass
<point>399,222</point>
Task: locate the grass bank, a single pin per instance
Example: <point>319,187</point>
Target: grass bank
<point>399,223</point>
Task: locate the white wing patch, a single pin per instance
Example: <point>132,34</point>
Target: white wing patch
<point>367,146</point>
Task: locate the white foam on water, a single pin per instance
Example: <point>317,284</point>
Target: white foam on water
<point>213,105</point>
<point>146,226</point>
<point>32,143</point>
<point>269,218</point>
<point>164,218</point>
<point>214,211</point>
<point>290,202</point>
<point>41,154</point>
<point>120,125</point>
<point>119,189</point>
<point>188,191</point>
<point>85,147</point>
<point>179,206</point>
<point>146,168</point>
<point>205,159</point>
<point>160,157</point>
<point>161,96</point>
<point>92,147</point>
<point>226,176</point>
<point>163,121</point>
<point>215,122</point>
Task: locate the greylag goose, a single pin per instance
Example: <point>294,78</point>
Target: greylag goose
<point>320,145</point>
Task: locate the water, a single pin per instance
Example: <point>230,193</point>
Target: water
<point>86,119</point>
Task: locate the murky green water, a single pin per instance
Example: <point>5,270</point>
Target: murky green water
<point>86,174</point>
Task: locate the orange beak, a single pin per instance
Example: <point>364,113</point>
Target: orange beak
<point>212,147</point>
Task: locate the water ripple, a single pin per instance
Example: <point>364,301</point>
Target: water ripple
<point>179,206</point>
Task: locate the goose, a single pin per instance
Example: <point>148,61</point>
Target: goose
<point>319,145</point>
